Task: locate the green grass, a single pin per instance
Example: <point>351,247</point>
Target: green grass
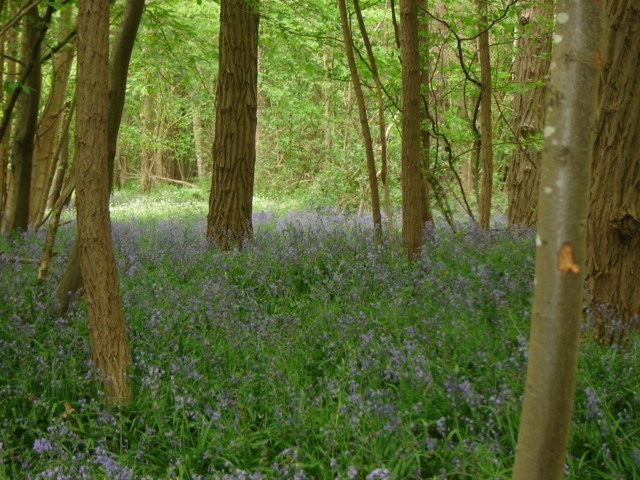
<point>312,353</point>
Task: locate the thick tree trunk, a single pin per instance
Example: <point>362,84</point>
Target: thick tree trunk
<point>48,135</point>
<point>486,121</point>
<point>19,192</point>
<point>229,220</point>
<point>531,71</point>
<point>413,193</point>
<point>560,244</point>
<point>107,330</point>
<point>614,209</point>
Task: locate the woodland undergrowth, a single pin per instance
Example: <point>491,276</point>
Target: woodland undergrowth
<point>311,353</point>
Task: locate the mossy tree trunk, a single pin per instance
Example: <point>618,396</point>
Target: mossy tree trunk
<point>229,220</point>
<point>107,330</point>
<point>614,209</point>
<point>560,244</point>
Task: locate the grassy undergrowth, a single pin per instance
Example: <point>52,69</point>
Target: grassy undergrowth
<point>312,353</point>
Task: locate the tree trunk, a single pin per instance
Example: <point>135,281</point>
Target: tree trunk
<point>234,150</point>
<point>425,135</point>
<point>119,72</point>
<point>531,71</point>
<point>8,71</point>
<point>413,205</point>
<point>486,121</point>
<point>560,242</point>
<point>362,114</point>
<point>18,195</point>
<point>198,139</point>
<point>107,330</point>
<point>48,135</point>
<point>71,280</point>
<point>147,156</point>
<point>614,208</point>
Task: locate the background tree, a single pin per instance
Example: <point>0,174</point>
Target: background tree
<point>49,134</point>
<point>614,208</point>
<point>107,330</point>
<point>531,70</point>
<point>486,119</point>
<point>560,242</point>
<point>413,187</point>
<point>362,108</point>
<point>234,150</point>
<point>19,191</point>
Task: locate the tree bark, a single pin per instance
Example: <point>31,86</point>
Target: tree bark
<point>198,138</point>
<point>531,72</point>
<point>560,254</point>
<point>614,207</point>
<point>413,205</point>
<point>362,107</point>
<point>229,220</point>
<point>119,72</point>
<point>425,135</point>
<point>48,135</point>
<point>147,156</point>
<point>19,191</point>
<point>107,330</point>
<point>71,280</point>
<point>486,121</point>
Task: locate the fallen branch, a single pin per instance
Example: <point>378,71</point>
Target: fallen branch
<point>171,180</point>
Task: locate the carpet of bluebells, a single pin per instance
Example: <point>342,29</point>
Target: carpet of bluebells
<point>312,353</point>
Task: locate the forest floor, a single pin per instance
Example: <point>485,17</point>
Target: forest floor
<point>312,353</point>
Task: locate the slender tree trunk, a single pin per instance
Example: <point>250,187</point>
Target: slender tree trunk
<point>71,280</point>
<point>19,192</point>
<point>57,197</point>
<point>48,135</point>
<point>486,121</point>
<point>327,64</point>
<point>4,64</point>
<point>413,205</point>
<point>198,139</point>
<point>384,169</point>
<point>425,135</point>
<point>614,208</point>
<point>10,76</point>
<point>531,71</point>
<point>108,334</point>
<point>364,119</point>
<point>382,136</point>
<point>119,72</point>
<point>147,155</point>
<point>234,150</point>
<point>560,242</point>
